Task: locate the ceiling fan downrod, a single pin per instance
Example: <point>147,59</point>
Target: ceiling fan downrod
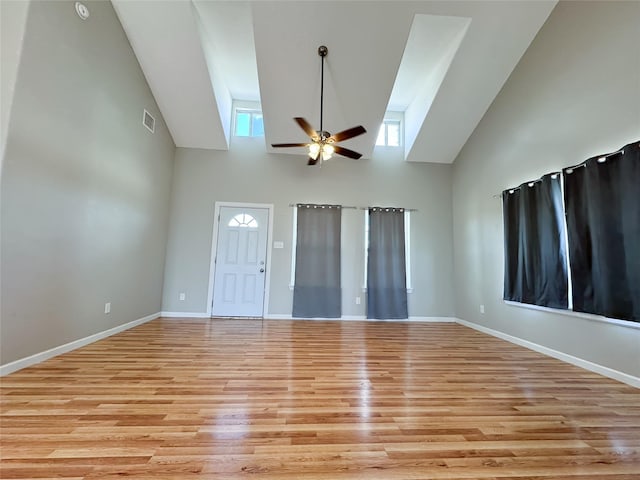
<point>322,51</point>
<point>323,144</point>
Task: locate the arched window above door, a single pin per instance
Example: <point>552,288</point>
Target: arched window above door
<point>243,220</point>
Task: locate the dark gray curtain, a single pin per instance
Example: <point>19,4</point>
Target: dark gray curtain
<point>602,199</point>
<point>535,265</point>
<point>386,270</point>
<point>316,292</point>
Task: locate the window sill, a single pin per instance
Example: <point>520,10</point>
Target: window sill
<point>571,313</point>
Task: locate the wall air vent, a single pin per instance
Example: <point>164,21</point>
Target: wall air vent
<point>148,121</point>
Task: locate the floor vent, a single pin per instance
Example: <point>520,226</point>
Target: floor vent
<point>148,121</point>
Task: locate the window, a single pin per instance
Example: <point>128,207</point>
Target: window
<point>316,291</point>
<point>389,134</point>
<point>386,264</point>
<point>243,220</point>
<point>602,201</point>
<point>535,263</point>
<point>407,249</point>
<point>249,123</point>
<point>600,216</point>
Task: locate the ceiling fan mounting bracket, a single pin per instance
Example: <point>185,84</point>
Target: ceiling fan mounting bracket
<point>322,51</point>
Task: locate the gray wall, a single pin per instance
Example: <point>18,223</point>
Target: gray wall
<point>85,187</point>
<point>13,17</point>
<point>574,94</point>
<point>247,174</point>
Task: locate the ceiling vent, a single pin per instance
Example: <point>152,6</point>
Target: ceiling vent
<point>148,121</point>
<point>82,11</point>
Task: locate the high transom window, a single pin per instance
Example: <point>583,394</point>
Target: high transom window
<point>243,220</point>
<point>389,134</point>
<point>249,123</point>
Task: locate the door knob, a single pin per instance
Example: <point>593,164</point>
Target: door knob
<point>261,270</point>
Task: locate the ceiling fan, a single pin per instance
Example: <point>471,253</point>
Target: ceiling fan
<point>323,144</point>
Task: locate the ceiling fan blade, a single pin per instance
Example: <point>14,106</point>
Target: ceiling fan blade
<point>345,152</point>
<point>284,145</point>
<point>312,161</point>
<point>306,126</point>
<point>349,133</point>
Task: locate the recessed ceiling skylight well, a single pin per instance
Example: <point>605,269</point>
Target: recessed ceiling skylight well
<point>423,69</point>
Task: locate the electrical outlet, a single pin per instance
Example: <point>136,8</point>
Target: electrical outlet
<point>481,308</point>
<point>182,297</point>
<point>357,300</point>
<point>107,307</point>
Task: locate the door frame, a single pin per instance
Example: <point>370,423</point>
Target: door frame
<point>214,251</point>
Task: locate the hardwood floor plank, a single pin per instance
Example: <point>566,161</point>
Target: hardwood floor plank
<point>237,399</point>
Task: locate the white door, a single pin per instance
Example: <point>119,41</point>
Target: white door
<point>240,264</point>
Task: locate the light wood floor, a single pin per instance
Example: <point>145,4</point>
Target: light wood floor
<point>230,399</point>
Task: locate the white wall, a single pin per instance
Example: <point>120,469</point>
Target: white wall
<point>85,187</point>
<point>247,174</point>
<point>574,94</point>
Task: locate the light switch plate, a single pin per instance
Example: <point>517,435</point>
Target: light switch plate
<point>278,244</point>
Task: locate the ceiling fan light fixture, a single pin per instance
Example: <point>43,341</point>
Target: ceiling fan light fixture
<point>327,151</point>
<point>314,150</point>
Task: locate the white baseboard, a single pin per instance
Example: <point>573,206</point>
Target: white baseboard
<point>360,318</point>
<point>594,367</point>
<point>185,314</point>
<point>287,316</point>
<point>16,365</point>
<point>284,316</point>
<point>433,319</point>
<point>579,362</point>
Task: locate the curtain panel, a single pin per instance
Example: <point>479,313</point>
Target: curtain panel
<point>535,262</point>
<point>386,268</point>
<point>602,200</point>
<point>317,292</point>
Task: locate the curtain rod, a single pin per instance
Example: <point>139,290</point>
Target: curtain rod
<point>530,183</point>
<point>601,159</point>
<point>363,208</point>
<point>569,170</point>
<point>405,209</point>
<point>341,206</point>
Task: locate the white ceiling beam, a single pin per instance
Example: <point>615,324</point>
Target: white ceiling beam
<point>165,37</point>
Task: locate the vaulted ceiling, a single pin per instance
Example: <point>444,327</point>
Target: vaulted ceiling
<point>440,63</point>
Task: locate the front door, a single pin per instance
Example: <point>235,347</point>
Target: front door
<point>240,264</point>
